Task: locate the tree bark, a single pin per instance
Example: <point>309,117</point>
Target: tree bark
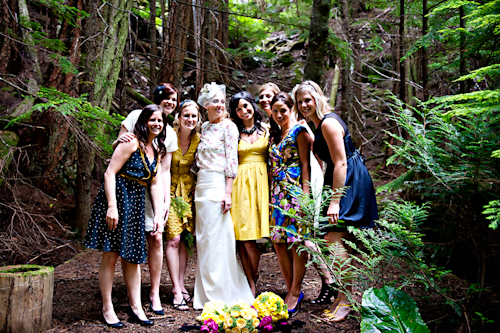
<point>462,49</point>
<point>425,12</point>
<point>179,16</point>
<point>318,36</point>
<point>106,32</point>
<point>9,53</point>
<point>153,59</point>
<point>402,70</point>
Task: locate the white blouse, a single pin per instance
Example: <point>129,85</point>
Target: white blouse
<point>218,148</point>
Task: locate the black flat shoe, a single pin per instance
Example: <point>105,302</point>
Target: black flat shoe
<point>119,324</point>
<point>132,318</point>
<point>326,293</point>
<point>157,312</point>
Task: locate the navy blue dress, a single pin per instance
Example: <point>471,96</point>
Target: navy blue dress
<point>128,239</point>
<point>358,207</point>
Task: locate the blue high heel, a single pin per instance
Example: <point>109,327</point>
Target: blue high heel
<point>293,312</point>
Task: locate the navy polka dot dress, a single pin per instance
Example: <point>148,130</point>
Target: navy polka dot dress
<point>128,239</point>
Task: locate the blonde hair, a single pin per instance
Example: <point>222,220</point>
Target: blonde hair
<point>322,106</point>
<point>183,105</point>
<point>271,86</point>
<point>208,92</point>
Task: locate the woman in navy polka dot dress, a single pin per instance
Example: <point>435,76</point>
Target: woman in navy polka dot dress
<point>116,224</point>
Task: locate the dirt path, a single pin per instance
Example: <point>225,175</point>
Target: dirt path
<point>77,299</point>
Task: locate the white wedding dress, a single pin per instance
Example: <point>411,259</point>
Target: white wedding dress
<point>219,276</point>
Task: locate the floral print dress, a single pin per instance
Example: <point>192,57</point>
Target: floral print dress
<point>286,178</point>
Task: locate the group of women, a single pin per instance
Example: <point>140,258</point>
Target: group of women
<point>237,168</point>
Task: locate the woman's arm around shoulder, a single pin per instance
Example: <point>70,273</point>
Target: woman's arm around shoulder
<point>158,192</point>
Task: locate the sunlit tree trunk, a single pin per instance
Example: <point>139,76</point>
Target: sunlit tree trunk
<point>153,57</point>
<point>402,70</point>
<point>318,36</point>
<point>425,11</point>
<point>106,31</point>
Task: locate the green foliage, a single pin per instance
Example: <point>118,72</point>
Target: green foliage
<point>390,310</point>
<point>81,114</point>
<point>492,210</point>
<point>63,63</point>
<point>181,207</point>
<point>64,12</point>
<point>397,241</point>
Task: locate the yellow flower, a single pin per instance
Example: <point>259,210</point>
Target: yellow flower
<point>229,321</point>
<point>235,314</point>
<point>245,330</point>
<point>235,330</point>
<point>240,323</point>
<point>255,322</point>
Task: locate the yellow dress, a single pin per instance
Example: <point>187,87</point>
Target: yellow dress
<point>182,185</point>
<point>250,196</point>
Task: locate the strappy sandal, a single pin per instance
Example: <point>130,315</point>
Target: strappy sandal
<point>326,293</point>
<point>182,306</point>
<point>331,316</point>
<point>187,298</point>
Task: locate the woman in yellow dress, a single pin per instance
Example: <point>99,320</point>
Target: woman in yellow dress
<point>187,123</point>
<point>250,210</point>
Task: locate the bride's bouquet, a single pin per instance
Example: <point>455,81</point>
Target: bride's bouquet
<point>218,317</point>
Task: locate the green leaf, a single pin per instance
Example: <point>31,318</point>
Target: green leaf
<point>390,310</point>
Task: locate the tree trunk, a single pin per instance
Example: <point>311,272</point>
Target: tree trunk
<point>402,70</point>
<point>107,31</point>
<point>462,49</point>
<point>153,59</point>
<point>425,11</point>
<point>346,66</point>
<point>26,295</point>
<point>174,50</point>
<point>318,35</point>
<point>9,54</point>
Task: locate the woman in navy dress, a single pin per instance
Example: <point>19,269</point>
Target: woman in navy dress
<point>345,167</point>
<point>116,223</point>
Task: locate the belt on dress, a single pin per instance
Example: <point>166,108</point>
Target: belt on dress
<point>356,152</point>
<point>141,182</point>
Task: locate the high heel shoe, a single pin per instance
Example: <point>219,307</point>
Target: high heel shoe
<point>133,318</point>
<point>325,294</point>
<point>157,312</point>
<point>334,319</point>
<point>293,312</point>
<point>119,324</point>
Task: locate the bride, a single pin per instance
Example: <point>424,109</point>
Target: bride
<point>218,274</point>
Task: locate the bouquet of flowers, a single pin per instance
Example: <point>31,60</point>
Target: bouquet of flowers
<point>270,305</point>
<point>241,318</point>
<point>213,316</point>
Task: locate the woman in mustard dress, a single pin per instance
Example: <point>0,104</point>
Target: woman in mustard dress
<point>186,123</point>
<point>250,210</point>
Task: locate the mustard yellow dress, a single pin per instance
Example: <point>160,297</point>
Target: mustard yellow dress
<point>250,196</point>
<point>182,185</point>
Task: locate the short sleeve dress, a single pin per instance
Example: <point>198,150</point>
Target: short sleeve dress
<point>250,196</point>
<point>286,170</point>
<point>128,239</point>
<point>182,185</point>
<point>358,207</point>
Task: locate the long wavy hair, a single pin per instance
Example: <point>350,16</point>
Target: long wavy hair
<point>322,106</point>
<point>141,129</point>
<point>275,131</point>
<point>257,114</point>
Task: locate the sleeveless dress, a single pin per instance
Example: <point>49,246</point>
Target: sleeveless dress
<point>182,185</point>
<point>250,196</point>
<point>128,239</point>
<point>286,168</point>
<point>358,207</point>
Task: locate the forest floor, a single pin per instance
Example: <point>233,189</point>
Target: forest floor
<point>77,299</point>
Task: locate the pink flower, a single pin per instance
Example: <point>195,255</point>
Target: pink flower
<point>210,326</point>
<point>267,328</point>
<point>267,320</point>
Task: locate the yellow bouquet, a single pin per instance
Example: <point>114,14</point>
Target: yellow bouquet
<point>269,304</point>
<point>214,310</point>
<point>241,317</point>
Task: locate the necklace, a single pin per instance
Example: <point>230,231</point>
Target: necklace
<point>250,131</point>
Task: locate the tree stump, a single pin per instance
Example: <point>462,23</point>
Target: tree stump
<point>26,293</point>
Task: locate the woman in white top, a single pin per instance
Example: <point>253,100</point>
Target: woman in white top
<point>218,274</point>
<point>166,96</point>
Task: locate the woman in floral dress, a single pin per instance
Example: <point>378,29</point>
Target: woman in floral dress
<point>289,154</point>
